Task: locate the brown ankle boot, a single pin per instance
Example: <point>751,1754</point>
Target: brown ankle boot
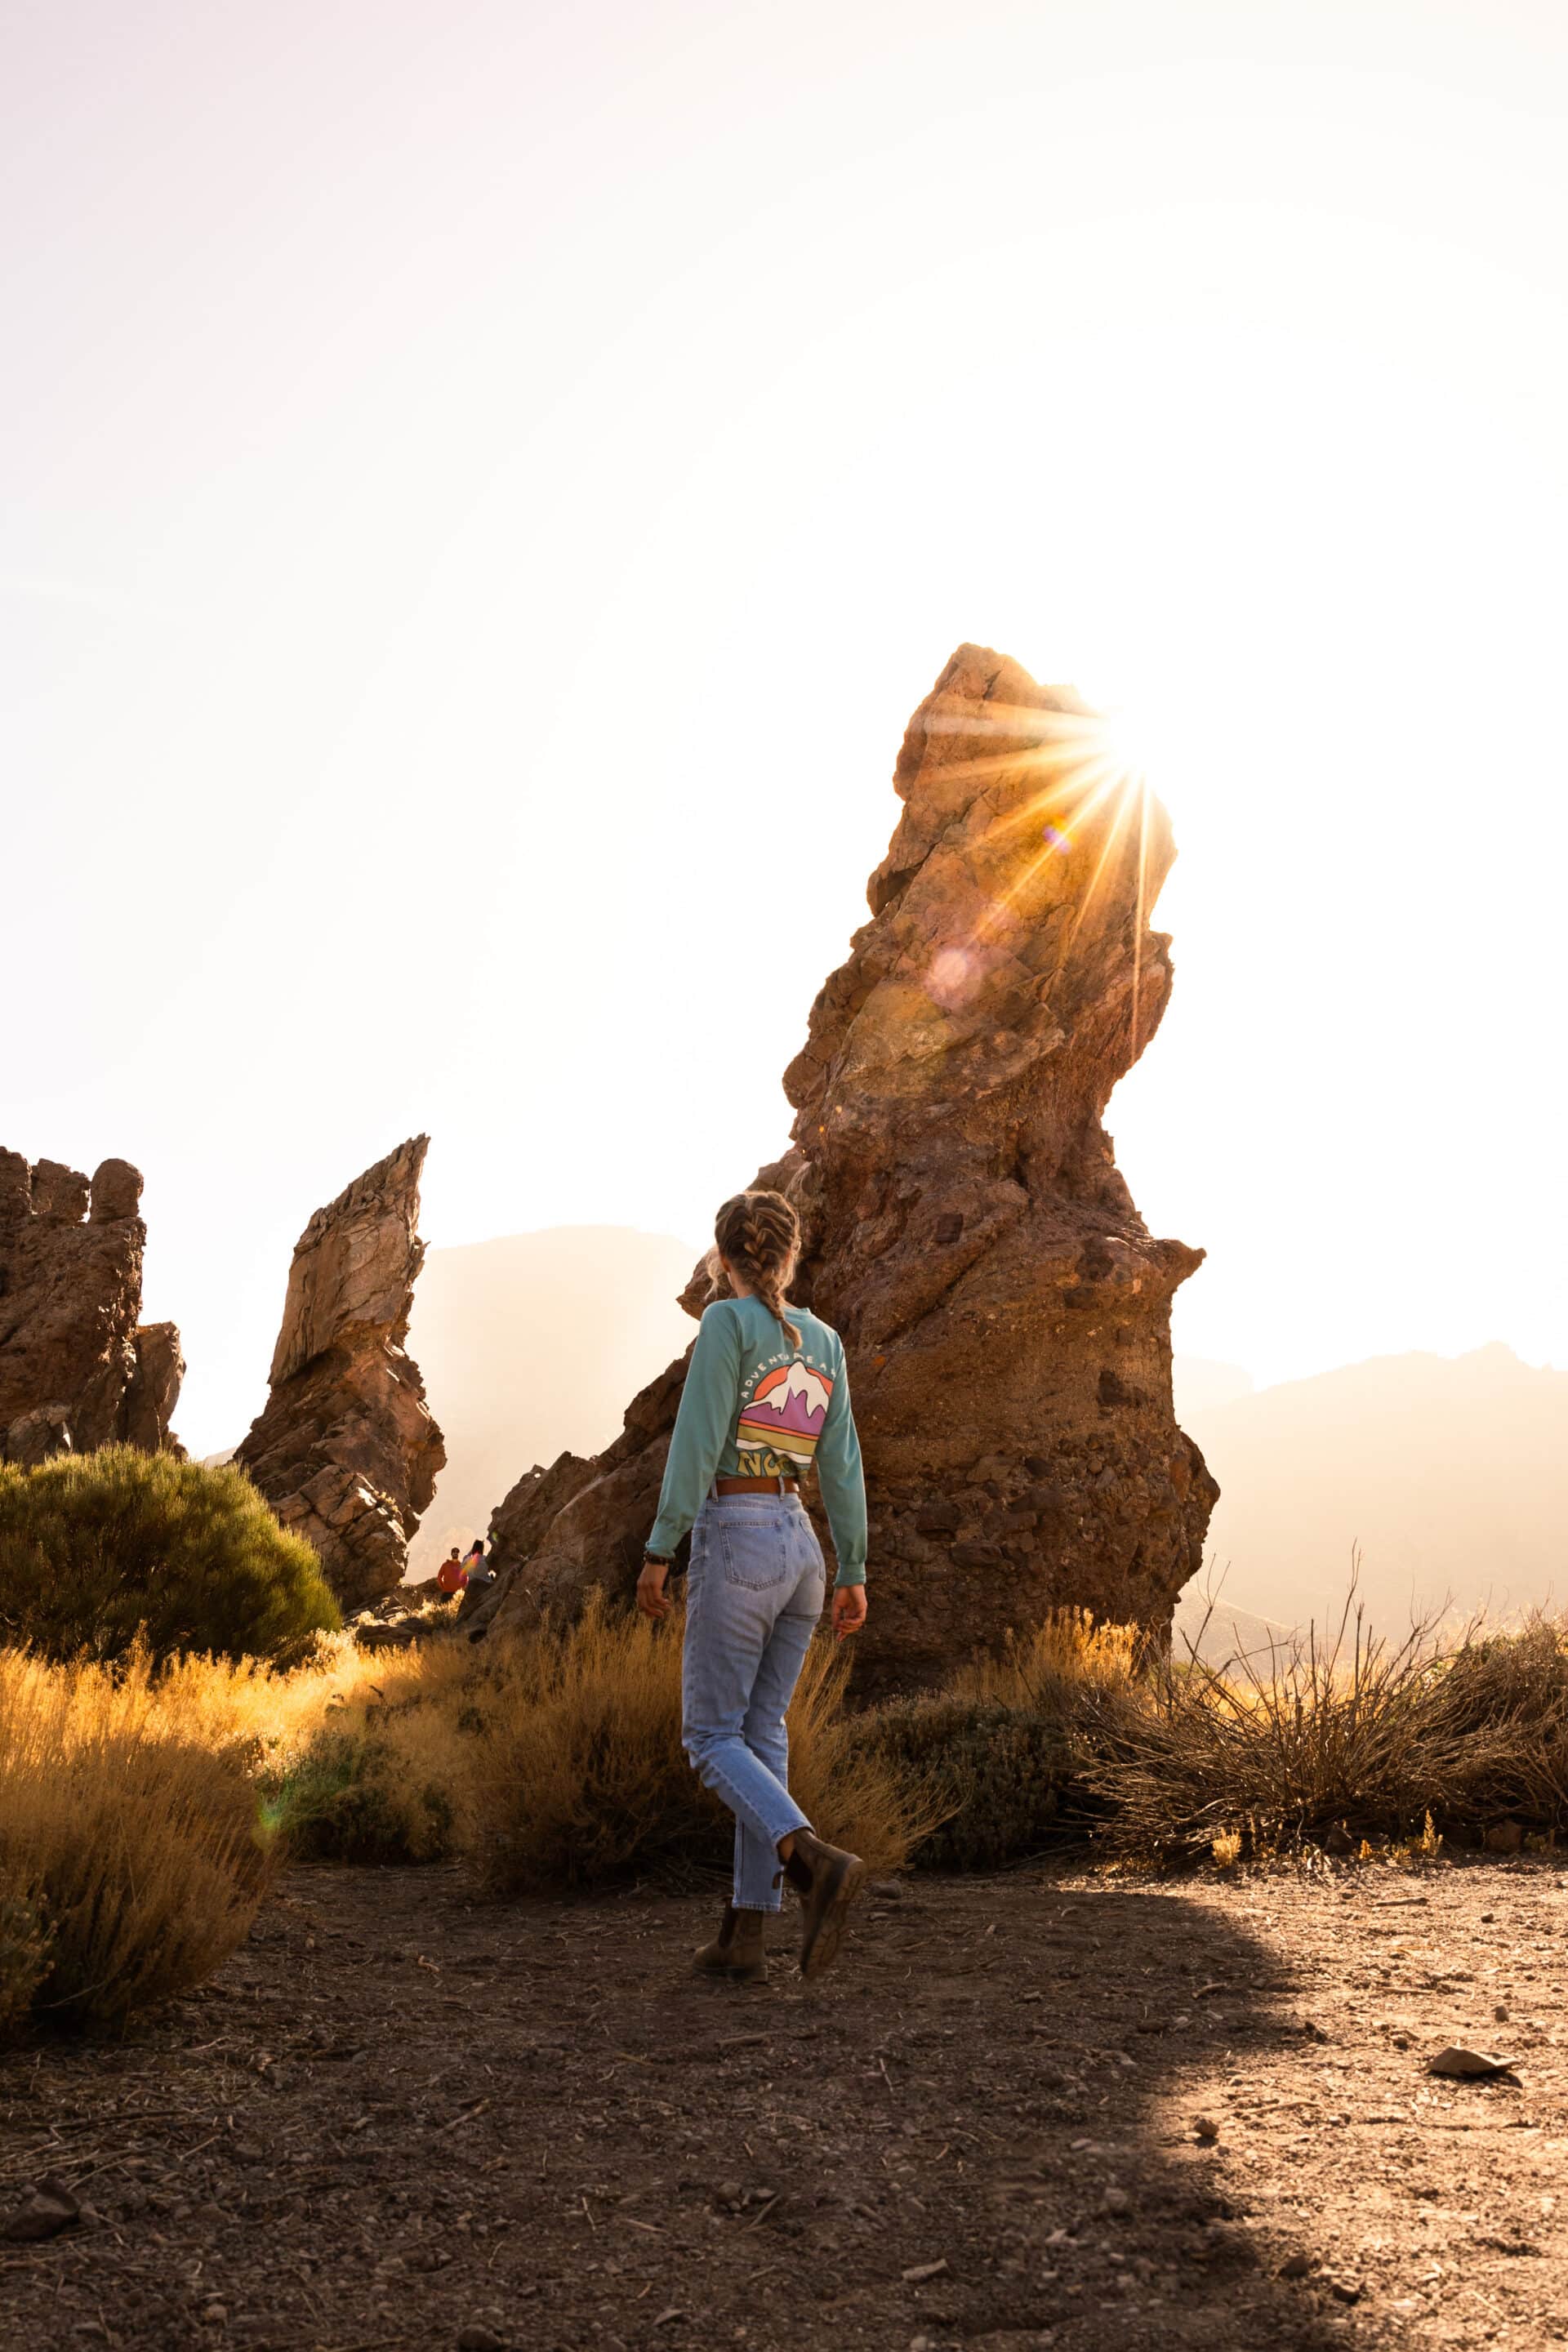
<point>827,1881</point>
<point>737,1949</point>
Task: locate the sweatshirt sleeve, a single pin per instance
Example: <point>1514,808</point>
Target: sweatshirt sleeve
<point>708,1405</point>
<point>843,1482</point>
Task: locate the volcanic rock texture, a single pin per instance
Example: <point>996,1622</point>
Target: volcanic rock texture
<point>77,1368</point>
<point>1005,1311</point>
<point>346,1452</point>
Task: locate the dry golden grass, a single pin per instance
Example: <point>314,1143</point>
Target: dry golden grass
<point>1075,1733</point>
<point>1050,1668</point>
<point>143,1810</point>
<point>580,1775</point>
<point>131,1860</point>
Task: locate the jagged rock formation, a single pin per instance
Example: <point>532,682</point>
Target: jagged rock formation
<point>77,1368</point>
<point>155,1387</point>
<point>1005,1310</point>
<point>347,1452</point>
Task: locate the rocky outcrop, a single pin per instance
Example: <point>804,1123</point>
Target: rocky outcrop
<point>347,1452</point>
<point>155,1385</point>
<point>583,1520</point>
<point>77,1368</point>
<point>1005,1310</point>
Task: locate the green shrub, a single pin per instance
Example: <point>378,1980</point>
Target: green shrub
<point>97,1547</point>
<point>348,1798</point>
<point>1000,1780</point>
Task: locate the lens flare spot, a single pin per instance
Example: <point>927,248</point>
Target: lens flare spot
<point>951,979</point>
<point>1055,838</point>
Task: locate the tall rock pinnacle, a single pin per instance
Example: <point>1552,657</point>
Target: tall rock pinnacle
<point>347,1452</point>
<point>1005,1310</point>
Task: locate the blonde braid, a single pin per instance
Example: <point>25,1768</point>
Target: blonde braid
<point>759,1233</point>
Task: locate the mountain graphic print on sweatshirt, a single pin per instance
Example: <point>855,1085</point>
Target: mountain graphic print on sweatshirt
<point>785,1416</point>
<point>755,1406</point>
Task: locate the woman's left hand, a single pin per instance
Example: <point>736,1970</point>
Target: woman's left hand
<point>652,1598</point>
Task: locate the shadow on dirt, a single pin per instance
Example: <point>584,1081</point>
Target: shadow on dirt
<point>398,2117</point>
<point>1086,2055</point>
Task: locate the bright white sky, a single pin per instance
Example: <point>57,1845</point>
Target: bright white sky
<point>483,488</point>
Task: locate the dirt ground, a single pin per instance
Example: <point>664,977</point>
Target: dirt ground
<point>400,2118</point>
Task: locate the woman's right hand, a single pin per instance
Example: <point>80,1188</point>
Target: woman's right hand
<point>848,1608</point>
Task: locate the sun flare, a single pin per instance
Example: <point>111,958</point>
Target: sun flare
<point>1084,804</point>
<point>1134,735</point>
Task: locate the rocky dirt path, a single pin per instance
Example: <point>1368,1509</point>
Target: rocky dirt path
<point>399,2119</point>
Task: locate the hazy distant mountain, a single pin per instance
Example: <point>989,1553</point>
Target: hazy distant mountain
<point>1199,1384</point>
<point>1450,1473</point>
<point>532,1344</point>
<point>537,1342</point>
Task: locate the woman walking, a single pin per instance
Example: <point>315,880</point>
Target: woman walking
<point>766,1395</point>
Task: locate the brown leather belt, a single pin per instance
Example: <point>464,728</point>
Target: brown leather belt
<point>755,1486</point>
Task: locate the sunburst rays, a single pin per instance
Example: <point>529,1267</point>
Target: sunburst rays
<point>1091,798</point>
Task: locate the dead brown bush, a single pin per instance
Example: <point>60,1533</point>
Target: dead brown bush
<point>1494,1731</point>
<point>1370,1736</point>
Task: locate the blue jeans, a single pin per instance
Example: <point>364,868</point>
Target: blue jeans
<point>753,1594</point>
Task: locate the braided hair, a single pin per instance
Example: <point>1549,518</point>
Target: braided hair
<point>759,1233</point>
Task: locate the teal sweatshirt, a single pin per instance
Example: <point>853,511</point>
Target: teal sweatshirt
<point>754,1407</point>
